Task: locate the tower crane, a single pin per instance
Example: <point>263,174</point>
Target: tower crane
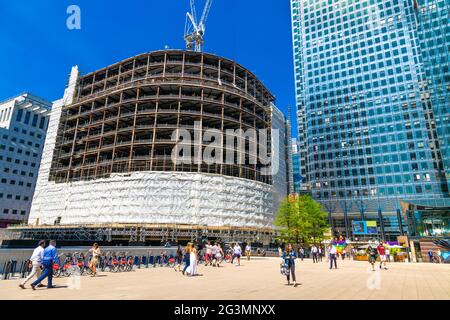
<point>194,31</point>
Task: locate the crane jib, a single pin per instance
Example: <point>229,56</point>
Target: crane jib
<point>195,31</point>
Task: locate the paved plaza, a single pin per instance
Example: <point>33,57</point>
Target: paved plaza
<point>257,279</point>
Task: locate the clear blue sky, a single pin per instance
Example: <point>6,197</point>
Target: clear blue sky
<point>37,50</point>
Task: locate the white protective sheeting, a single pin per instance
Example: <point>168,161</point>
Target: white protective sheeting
<point>158,198</point>
<point>147,197</point>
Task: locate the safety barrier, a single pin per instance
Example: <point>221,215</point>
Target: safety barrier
<point>11,268</point>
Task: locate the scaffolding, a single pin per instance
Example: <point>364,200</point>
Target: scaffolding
<point>135,233</point>
<point>123,117</point>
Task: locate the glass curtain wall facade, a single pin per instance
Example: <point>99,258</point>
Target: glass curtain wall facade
<point>296,166</point>
<point>365,131</point>
<point>434,39</point>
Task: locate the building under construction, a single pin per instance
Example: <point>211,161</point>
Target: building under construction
<point>109,171</point>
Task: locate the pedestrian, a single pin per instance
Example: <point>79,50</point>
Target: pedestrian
<point>49,256</point>
<point>301,253</point>
<point>187,258</point>
<point>213,254</point>
<point>289,257</point>
<point>179,255</point>
<point>319,253</point>
<point>248,251</point>
<point>192,269</point>
<point>382,253</point>
<point>388,254</point>
<point>344,253</point>
<point>36,262</point>
<point>237,252</point>
<point>314,253</point>
<point>332,256</point>
<point>208,253</point>
<point>372,256</point>
<point>95,251</point>
<point>219,254</point>
<point>430,255</point>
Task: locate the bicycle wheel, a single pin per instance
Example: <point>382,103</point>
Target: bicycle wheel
<point>57,273</point>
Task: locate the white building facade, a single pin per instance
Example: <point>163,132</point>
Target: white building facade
<point>23,126</point>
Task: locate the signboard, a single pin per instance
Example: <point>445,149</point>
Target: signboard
<point>371,227</point>
<point>358,227</point>
<point>364,227</point>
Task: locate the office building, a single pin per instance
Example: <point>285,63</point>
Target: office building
<point>23,126</point>
<point>109,165</point>
<point>367,132</point>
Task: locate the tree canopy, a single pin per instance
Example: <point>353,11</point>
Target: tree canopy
<point>301,220</point>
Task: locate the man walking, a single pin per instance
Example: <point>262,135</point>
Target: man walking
<point>333,258</point>
<point>36,261</point>
<point>382,253</point>
<point>301,253</point>
<point>314,253</point>
<point>49,257</point>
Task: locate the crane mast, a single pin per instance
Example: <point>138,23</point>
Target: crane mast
<point>194,31</point>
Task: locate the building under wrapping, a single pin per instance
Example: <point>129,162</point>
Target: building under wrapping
<point>109,155</point>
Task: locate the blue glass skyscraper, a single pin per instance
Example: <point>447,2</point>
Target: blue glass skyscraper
<point>367,133</point>
<point>434,40</point>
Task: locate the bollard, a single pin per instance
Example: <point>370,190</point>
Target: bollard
<point>3,274</point>
<point>6,270</point>
<point>22,269</point>
<point>152,261</point>
<point>2,270</point>
<point>13,268</point>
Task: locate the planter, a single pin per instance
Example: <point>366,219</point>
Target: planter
<point>361,258</point>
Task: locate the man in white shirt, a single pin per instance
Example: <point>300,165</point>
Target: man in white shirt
<point>333,252</point>
<point>36,260</point>
<point>314,253</point>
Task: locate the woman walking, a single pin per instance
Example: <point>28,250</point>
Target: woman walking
<point>187,258</point>
<point>95,251</point>
<point>289,257</point>
<point>248,251</point>
<point>219,254</point>
<point>192,269</point>
<point>179,255</point>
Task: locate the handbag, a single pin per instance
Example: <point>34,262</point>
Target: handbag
<point>284,269</point>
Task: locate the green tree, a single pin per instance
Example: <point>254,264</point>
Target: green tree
<point>301,220</point>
